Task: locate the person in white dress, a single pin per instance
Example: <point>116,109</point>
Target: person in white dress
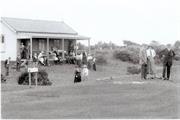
<point>41,57</point>
<point>151,69</point>
<point>84,73</point>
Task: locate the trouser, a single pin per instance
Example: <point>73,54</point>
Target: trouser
<point>7,71</point>
<point>149,67</point>
<point>94,66</point>
<point>18,67</point>
<point>144,71</point>
<point>166,67</point>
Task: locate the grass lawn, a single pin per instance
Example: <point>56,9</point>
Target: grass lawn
<point>123,96</point>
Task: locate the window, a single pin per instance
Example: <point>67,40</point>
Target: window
<point>56,43</point>
<point>42,45</point>
<point>2,43</point>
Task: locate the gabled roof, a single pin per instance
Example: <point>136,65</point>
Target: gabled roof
<point>38,26</point>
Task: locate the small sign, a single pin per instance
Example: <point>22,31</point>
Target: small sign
<point>35,69</point>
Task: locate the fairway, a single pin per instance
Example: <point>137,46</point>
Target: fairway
<point>123,96</point>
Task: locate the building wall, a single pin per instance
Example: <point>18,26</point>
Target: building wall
<point>35,44</point>
<point>10,43</point>
<point>58,43</point>
<point>55,43</point>
<point>67,43</point>
<point>18,46</point>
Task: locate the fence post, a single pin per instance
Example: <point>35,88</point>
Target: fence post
<point>36,78</point>
<point>29,79</point>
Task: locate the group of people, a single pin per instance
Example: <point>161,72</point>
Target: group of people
<point>84,62</point>
<point>41,58</point>
<point>7,64</point>
<point>82,67</point>
<point>56,55</point>
<point>147,61</point>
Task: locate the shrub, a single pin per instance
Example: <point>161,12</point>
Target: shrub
<point>122,55</point>
<point>3,79</point>
<point>177,56</point>
<point>42,78</point>
<point>102,52</point>
<point>133,70</point>
<point>157,59</point>
<point>128,54</point>
<point>101,56</point>
<point>131,54</point>
<point>100,59</point>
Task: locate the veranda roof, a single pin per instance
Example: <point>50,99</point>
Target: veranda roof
<point>38,35</point>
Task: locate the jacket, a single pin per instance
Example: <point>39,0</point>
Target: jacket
<point>168,56</point>
<point>142,56</point>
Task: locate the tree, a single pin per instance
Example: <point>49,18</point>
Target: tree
<point>154,43</point>
<point>129,43</point>
<point>177,44</point>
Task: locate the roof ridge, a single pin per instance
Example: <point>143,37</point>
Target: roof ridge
<point>30,19</point>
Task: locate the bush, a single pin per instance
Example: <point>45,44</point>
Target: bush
<point>101,56</point>
<point>157,59</point>
<point>42,78</point>
<point>102,52</point>
<point>3,79</point>
<point>177,57</point>
<point>133,70</point>
<point>100,59</point>
<point>128,54</point>
<point>122,55</point>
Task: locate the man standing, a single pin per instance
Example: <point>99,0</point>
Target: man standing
<point>7,65</point>
<point>150,61</point>
<point>22,47</point>
<point>84,58</point>
<point>18,63</point>
<point>143,62</point>
<point>168,55</point>
<point>94,63</point>
<point>28,51</point>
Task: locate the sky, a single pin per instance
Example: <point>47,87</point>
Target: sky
<point>140,21</point>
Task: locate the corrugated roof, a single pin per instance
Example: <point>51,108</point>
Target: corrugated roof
<point>39,35</point>
<point>38,26</point>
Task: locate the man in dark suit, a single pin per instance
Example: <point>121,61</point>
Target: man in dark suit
<point>168,55</point>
